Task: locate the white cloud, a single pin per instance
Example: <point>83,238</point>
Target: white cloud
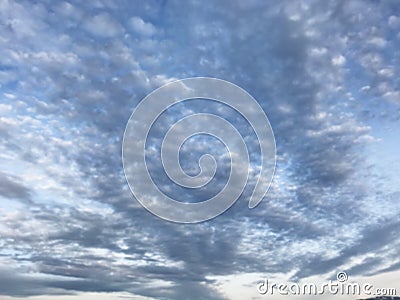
<point>103,25</point>
<point>142,27</point>
<point>394,22</point>
<point>393,96</point>
<point>377,41</point>
<point>338,60</point>
<point>386,72</point>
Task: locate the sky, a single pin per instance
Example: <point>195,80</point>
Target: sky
<point>326,74</point>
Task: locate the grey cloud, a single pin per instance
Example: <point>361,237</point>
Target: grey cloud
<point>11,187</point>
<point>366,267</point>
<point>372,240</point>
<point>22,285</point>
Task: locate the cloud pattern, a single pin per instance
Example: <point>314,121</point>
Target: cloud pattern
<point>326,73</point>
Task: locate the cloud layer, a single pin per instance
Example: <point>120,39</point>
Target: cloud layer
<point>326,74</point>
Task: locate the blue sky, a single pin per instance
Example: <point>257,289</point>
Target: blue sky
<point>325,72</point>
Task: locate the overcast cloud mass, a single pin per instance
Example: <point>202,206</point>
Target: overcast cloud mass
<point>325,72</point>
